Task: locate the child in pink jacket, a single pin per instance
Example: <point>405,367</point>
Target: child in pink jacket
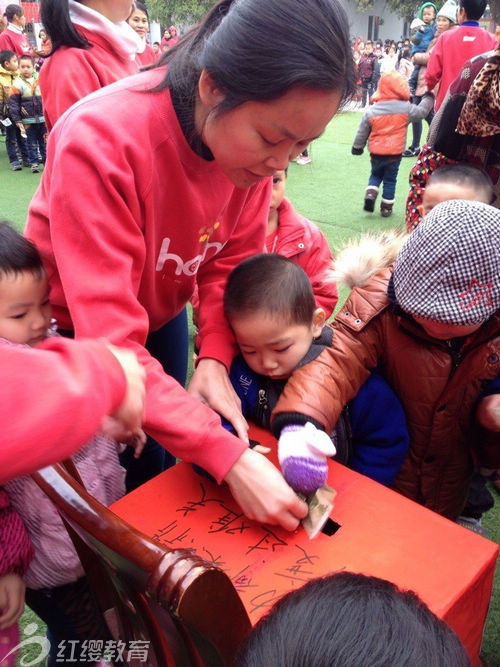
<point>56,585</point>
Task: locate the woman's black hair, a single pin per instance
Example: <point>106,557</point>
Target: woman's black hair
<point>56,21</point>
<point>256,50</point>
<point>351,620</point>
<point>272,284</point>
<point>17,253</point>
<point>141,7</point>
<point>13,10</point>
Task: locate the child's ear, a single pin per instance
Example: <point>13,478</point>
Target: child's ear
<point>210,95</point>
<point>318,322</point>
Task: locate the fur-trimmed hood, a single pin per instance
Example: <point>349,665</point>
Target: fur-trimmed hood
<point>362,258</point>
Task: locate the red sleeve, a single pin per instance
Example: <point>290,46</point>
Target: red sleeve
<point>317,262</point>
<point>65,78</point>
<point>216,339</point>
<point>53,399</point>
<point>434,69</point>
<point>6,42</point>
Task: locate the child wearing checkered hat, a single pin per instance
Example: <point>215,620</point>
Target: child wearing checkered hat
<point>430,323</point>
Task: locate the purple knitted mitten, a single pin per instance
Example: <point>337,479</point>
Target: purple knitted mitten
<point>302,453</point>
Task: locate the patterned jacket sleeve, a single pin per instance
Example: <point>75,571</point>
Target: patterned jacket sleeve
<point>16,550</point>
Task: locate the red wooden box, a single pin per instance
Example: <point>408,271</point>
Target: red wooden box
<point>381,533</point>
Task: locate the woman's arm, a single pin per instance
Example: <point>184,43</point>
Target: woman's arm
<point>53,399</point>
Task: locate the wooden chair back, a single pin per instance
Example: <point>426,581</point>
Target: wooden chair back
<point>187,609</point>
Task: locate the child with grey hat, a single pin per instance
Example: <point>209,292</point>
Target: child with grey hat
<point>429,321</point>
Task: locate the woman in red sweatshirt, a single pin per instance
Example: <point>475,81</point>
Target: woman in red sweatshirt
<point>163,180</point>
<point>92,46</point>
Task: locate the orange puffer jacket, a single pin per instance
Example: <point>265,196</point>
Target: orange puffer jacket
<point>386,121</point>
<point>439,391</point>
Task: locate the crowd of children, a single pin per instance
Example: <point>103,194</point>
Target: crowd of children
<point>403,386</point>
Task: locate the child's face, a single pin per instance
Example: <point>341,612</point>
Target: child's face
<point>279,184</point>
<point>25,310</point>
<point>272,346</point>
<point>444,331</point>
<point>11,65</point>
<point>368,49</point>
<point>26,68</point>
<point>435,194</point>
<point>428,15</point>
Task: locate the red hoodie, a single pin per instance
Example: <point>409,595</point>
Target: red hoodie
<point>302,241</point>
<point>72,73</point>
<point>145,219</point>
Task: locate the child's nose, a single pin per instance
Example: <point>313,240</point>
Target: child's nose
<point>269,362</point>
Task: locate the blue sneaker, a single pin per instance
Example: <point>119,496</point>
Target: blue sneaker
<point>15,166</point>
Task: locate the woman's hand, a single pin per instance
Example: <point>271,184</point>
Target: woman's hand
<point>262,493</point>
<point>210,384</point>
<point>130,414</point>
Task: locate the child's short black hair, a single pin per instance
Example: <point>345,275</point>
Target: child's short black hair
<point>17,253</point>
<point>270,283</point>
<point>6,56</point>
<point>466,175</point>
<point>347,620</point>
<point>26,57</point>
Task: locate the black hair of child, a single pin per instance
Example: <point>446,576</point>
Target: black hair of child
<point>13,10</point>
<point>256,50</point>
<point>351,620</point>
<point>465,175</point>
<point>6,56</point>
<point>272,284</point>
<point>17,253</point>
<point>26,57</point>
<point>473,8</point>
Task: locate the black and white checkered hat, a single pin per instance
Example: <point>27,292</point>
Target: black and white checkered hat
<point>449,268</point>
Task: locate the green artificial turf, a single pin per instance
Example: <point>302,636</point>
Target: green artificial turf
<point>329,191</point>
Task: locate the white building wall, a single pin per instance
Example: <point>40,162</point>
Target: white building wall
<point>377,22</point>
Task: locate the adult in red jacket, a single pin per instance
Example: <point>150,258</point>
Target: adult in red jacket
<point>53,399</point>
<point>92,46</point>
<point>177,165</point>
<point>13,37</point>
<point>139,21</point>
<point>454,47</point>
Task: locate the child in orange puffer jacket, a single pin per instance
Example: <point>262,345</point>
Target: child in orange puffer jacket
<point>384,127</point>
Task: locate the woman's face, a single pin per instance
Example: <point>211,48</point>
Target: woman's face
<point>256,139</point>
<point>139,22</point>
<point>443,24</point>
